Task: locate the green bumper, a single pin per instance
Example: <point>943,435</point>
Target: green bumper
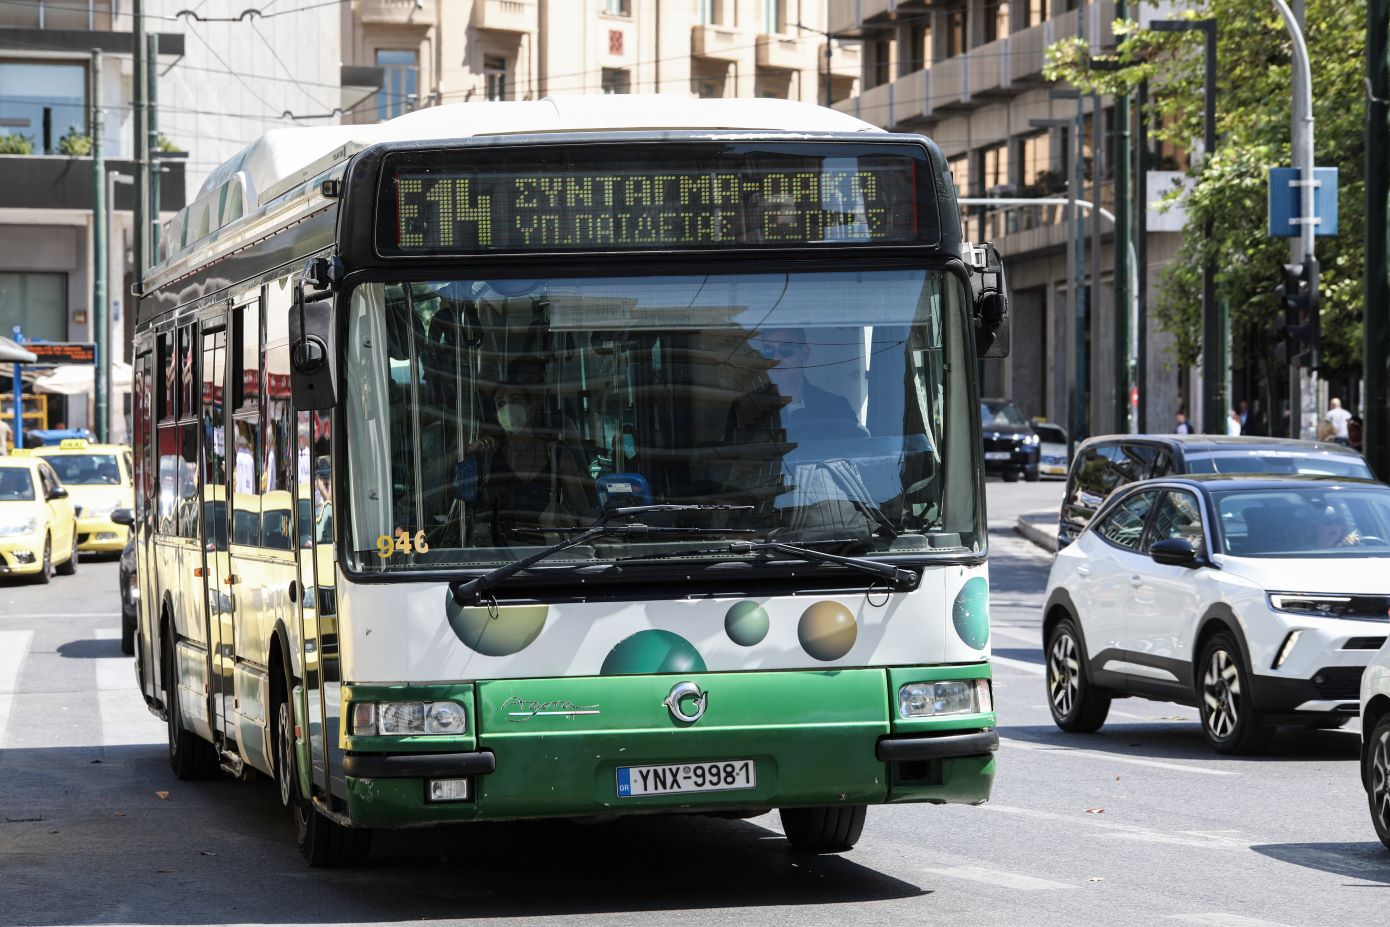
<point>553,747</point>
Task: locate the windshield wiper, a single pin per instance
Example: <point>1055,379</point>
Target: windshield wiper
<point>471,592</point>
<point>896,576</point>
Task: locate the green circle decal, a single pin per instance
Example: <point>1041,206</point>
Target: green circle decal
<point>746,623</point>
<point>652,652</point>
<point>827,630</point>
<point>495,632</point>
<point>970,613</point>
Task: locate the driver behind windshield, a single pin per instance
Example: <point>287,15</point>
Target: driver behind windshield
<point>530,479</point>
<point>1330,530</point>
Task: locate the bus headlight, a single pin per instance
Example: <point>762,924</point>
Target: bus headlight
<point>401,719</point>
<point>954,697</point>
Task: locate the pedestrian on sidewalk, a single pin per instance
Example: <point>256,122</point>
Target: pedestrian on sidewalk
<point>1182,427</point>
<point>1337,417</point>
<point>1233,423</point>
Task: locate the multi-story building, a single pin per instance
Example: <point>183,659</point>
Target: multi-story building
<point>968,73</point>
<point>433,51</point>
<point>224,79</point>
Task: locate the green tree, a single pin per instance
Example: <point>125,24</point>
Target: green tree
<point>1254,79</point>
<point>75,144</point>
<point>12,143</point>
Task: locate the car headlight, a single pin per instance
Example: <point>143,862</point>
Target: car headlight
<point>953,697</point>
<point>1324,605</point>
<point>401,719</point>
<point>1030,440</point>
<point>16,527</point>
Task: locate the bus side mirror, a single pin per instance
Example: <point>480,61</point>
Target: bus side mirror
<point>991,295</point>
<point>313,353</point>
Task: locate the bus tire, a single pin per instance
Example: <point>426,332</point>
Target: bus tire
<point>322,841</point>
<point>833,829</point>
<point>190,756</point>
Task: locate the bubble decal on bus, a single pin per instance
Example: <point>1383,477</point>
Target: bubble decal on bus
<point>652,652</point>
<point>970,613</point>
<point>496,632</point>
<point>827,631</point>
<point>746,623</point>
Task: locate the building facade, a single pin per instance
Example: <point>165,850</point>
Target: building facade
<point>968,73</point>
<point>223,80</point>
<point>451,51</point>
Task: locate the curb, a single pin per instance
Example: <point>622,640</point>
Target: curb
<point>1038,535</point>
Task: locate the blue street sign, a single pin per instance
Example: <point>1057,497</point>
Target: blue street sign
<point>1284,202</point>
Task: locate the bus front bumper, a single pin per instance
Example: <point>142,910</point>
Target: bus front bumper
<point>809,739</point>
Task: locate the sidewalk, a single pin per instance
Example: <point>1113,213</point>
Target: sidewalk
<point>1040,528</point>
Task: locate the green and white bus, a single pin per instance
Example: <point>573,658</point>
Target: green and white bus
<point>571,458</point>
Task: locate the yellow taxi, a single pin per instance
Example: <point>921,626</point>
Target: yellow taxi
<point>101,479</point>
<point>38,525</point>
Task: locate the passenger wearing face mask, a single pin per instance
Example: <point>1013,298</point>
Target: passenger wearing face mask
<point>531,481</point>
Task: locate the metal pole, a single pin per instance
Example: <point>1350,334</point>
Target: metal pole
<point>100,218</point>
<point>1302,160</point>
<point>1375,351</point>
<point>1083,355</point>
<point>156,172</point>
<point>1213,343</point>
<point>1141,257</point>
<point>140,221</point>
<point>828,52</point>
<point>1097,169</point>
<point>1122,242</point>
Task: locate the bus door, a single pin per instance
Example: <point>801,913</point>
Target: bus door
<point>147,509</point>
<point>318,601</point>
<point>220,582</point>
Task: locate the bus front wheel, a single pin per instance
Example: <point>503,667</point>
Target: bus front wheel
<point>322,841</point>
<point>834,829</point>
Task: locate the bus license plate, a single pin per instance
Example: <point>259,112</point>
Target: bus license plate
<point>719,776</point>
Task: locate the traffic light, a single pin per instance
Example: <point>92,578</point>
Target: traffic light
<point>1299,334</point>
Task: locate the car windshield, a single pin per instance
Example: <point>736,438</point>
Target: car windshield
<point>1276,460</point>
<point>1051,434</point>
<point>1315,521</point>
<point>1000,413</point>
<point>86,469</point>
<point>487,418</point>
<point>16,485</point>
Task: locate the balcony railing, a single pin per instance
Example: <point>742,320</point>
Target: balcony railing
<point>845,60</point>
<point>90,15</point>
<point>397,12</point>
<point>780,52</point>
<point>505,15</point>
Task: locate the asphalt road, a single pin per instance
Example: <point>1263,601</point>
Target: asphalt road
<point>1139,824</point>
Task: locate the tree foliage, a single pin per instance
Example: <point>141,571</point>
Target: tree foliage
<point>1253,113</point>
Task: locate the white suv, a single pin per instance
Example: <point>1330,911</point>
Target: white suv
<point>1260,600</point>
<point>1375,741</point>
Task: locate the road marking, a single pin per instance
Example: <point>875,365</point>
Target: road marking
<point>1222,919</point>
<point>1027,635</point>
<point>996,877</point>
<point>1204,840</point>
<point>124,717</point>
<point>14,647</point>
<point>1023,665</point>
<point>1101,754</point>
<point>63,615</point>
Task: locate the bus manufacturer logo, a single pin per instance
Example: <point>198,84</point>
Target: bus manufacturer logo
<point>679,693</point>
<point>523,709</point>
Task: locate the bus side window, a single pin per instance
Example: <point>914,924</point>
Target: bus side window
<point>246,425</point>
<point>168,407</point>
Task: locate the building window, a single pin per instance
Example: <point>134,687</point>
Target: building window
<point>400,75</point>
<point>876,67</point>
<point>714,13</point>
<point>1036,12</point>
<point>618,7</point>
<point>994,164</point>
<point>495,76</point>
<point>778,22</point>
<point>956,37</point>
<point>1035,162</point>
<point>43,102</point>
<point>918,48</point>
<point>960,173</point>
<point>996,19</point>
<point>616,80</point>
<point>37,303</point>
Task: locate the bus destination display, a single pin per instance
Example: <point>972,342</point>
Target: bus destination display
<point>839,201</point>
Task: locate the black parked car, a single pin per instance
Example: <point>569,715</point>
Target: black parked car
<point>1011,445</point>
<point>130,589</point>
<point>1104,464</point>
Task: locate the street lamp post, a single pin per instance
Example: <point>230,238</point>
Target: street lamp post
<point>1214,361</point>
<point>828,53</point>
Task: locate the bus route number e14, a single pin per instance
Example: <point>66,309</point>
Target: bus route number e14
<point>718,776</point>
<point>402,542</point>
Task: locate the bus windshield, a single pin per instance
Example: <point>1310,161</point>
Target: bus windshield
<point>488,418</point>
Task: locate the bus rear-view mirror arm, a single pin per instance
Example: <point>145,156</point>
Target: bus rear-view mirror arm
<point>313,354</point>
